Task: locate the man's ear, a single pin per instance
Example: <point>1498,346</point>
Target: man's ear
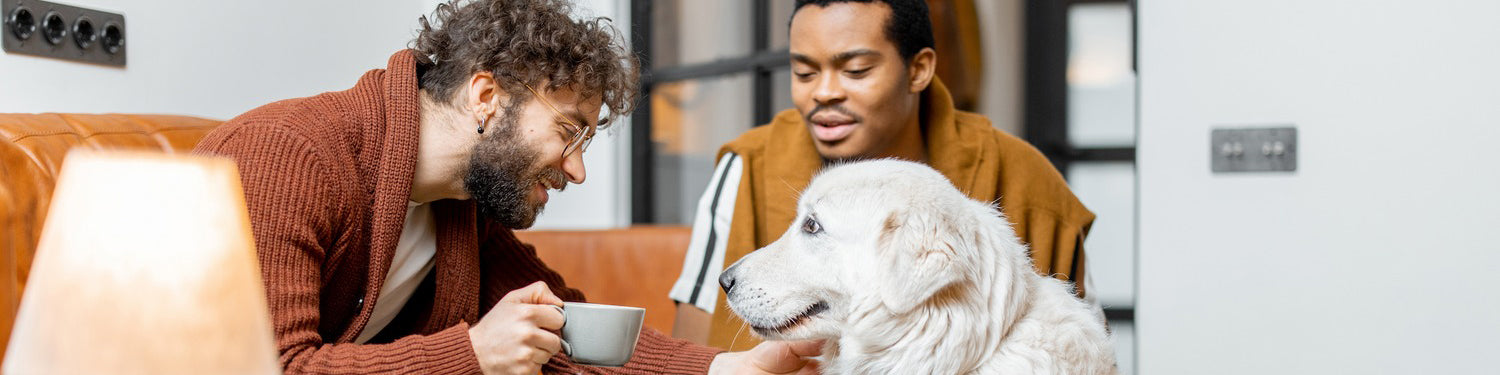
<point>482,95</point>
<point>921,69</point>
<point>915,260</point>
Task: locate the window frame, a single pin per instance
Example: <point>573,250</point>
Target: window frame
<point>762,63</point>
<point>1045,123</point>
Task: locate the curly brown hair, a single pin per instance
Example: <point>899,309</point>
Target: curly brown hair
<point>525,42</point>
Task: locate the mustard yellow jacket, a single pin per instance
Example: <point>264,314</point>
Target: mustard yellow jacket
<point>780,160</point>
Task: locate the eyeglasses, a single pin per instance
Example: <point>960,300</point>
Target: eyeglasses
<point>580,139</point>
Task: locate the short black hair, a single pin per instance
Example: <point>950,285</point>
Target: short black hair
<point>909,26</point>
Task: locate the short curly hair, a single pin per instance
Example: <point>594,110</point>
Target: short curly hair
<point>525,42</point>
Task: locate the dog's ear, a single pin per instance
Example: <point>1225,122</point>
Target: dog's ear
<point>916,259</point>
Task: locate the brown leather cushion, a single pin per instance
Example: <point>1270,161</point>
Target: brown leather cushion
<point>630,267</point>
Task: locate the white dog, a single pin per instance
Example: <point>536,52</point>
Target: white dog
<point>903,274</point>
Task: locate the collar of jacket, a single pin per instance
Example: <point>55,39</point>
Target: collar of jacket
<point>792,158</point>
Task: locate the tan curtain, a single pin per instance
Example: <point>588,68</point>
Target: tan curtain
<point>955,28</point>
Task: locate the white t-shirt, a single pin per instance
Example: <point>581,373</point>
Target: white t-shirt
<point>411,263</point>
<point>699,282</point>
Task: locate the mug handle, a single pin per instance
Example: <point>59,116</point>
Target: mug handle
<point>567,349</point>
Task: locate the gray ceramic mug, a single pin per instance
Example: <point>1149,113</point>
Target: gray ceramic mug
<point>601,335</point>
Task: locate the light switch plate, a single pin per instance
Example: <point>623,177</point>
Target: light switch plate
<point>1254,149</point>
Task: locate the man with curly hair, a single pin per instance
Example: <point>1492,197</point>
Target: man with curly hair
<point>383,213</point>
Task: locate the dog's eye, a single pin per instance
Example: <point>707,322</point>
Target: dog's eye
<point>811,226</point>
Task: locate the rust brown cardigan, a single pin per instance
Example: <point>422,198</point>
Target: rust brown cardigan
<point>327,179</point>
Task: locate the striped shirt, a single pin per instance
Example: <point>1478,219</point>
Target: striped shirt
<point>699,281</point>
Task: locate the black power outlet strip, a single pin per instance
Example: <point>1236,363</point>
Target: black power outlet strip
<point>47,29</point>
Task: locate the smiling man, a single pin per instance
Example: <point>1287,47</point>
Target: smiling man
<point>383,214</point>
<point>864,86</point>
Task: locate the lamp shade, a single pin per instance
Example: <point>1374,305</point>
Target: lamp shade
<point>146,265</point>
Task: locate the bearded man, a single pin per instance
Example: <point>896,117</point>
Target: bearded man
<point>383,213</point>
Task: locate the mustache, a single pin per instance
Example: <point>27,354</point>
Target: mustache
<point>836,108</point>
<point>553,177</point>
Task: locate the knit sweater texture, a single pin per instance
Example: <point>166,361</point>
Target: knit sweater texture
<point>326,180</point>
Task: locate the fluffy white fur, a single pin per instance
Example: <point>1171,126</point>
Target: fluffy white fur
<point>903,274</point>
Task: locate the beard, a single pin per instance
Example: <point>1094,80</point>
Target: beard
<point>502,171</point>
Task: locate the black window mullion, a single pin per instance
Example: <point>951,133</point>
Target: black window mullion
<point>1071,154</point>
<point>642,203</point>
<point>1046,85</point>
<point>761,82</point>
<point>768,60</point>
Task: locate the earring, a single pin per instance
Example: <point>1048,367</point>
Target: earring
<point>481,127</point>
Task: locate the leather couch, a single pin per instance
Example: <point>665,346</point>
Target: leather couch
<point>631,266</point>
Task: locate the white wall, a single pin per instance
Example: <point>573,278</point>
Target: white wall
<point>1377,256</point>
<point>217,59</point>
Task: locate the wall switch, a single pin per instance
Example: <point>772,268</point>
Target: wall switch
<point>1258,149</point>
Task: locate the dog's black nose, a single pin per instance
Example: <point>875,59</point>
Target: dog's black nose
<point>726,279</point>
